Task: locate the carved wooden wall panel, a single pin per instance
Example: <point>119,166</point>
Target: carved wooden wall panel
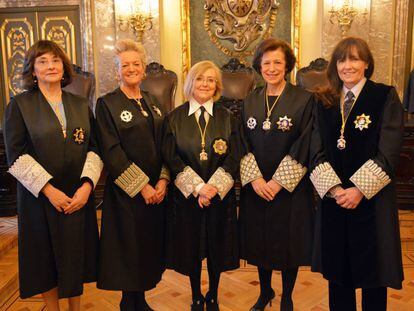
<point>20,28</point>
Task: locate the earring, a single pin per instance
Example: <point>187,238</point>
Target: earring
<point>34,79</point>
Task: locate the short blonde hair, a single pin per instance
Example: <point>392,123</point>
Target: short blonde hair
<point>125,45</point>
<point>197,70</point>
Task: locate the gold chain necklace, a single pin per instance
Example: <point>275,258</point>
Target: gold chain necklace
<point>267,124</point>
<point>55,108</point>
<point>203,153</point>
<point>341,142</point>
<point>138,101</point>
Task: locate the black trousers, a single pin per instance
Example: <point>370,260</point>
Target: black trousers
<point>342,298</point>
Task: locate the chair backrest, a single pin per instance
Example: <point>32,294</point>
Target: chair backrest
<point>313,76</point>
<point>238,82</point>
<point>83,84</point>
<point>161,83</point>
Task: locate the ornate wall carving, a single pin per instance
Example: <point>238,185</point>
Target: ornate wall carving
<point>201,46</point>
<point>236,26</point>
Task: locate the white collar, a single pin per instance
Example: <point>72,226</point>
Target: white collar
<point>356,89</point>
<point>194,106</point>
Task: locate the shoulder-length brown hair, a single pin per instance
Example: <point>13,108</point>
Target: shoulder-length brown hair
<point>273,44</point>
<point>343,50</point>
<point>38,49</point>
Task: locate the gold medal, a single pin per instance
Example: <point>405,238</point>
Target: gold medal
<point>79,135</point>
<point>220,146</point>
<point>284,123</point>
<point>361,122</point>
<point>266,124</point>
<point>203,155</point>
<point>341,143</point>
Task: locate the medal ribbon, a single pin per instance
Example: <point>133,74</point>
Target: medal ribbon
<point>269,110</point>
<point>343,117</point>
<point>202,131</point>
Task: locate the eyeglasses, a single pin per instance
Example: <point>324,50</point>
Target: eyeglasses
<point>209,80</point>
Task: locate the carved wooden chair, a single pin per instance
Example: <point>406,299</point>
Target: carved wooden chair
<point>83,84</point>
<point>161,83</point>
<point>238,82</point>
<point>313,76</point>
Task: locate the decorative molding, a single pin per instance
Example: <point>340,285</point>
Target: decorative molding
<point>186,43</point>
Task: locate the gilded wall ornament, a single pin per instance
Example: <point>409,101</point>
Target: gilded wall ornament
<point>241,22</point>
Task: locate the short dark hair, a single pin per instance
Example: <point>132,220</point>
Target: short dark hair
<point>273,44</point>
<point>38,49</point>
<point>343,50</point>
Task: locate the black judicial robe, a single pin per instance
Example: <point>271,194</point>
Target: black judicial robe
<point>193,233</point>
<point>54,249</point>
<point>361,247</point>
<point>278,234</point>
<point>132,233</point>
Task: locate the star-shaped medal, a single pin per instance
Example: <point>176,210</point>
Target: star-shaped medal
<point>284,123</point>
<point>361,122</point>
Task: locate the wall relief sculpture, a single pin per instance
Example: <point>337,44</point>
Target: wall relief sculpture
<point>234,25</point>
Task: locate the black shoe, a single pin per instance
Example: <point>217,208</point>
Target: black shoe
<point>211,303</point>
<point>286,304</point>
<point>198,304</point>
<point>263,300</point>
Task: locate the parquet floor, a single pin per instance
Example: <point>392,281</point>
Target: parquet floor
<point>238,289</point>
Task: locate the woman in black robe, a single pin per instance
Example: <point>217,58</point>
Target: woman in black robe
<point>52,153</point>
<point>355,149</point>
<point>276,213</point>
<point>200,147</point>
<point>129,123</point>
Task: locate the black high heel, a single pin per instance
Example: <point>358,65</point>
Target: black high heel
<point>263,301</point>
<point>198,305</point>
<point>211,303</point>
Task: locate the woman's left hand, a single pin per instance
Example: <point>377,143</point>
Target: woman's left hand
<point>161,190</point>
<point>274,186</point>
<point>80,198</point>
<point>350,198</point>
<point>203,201</point>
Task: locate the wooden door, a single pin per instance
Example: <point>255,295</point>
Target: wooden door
<point>22,27</point>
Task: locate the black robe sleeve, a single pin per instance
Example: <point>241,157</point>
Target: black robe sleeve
<point>93,164</point>
<point>322,174</point>
<point>223,177</point>
<point>292,168</point>
<point>128,176</point>
<point>377,172</point>
<point>23,166</point>
<point>185,178</point>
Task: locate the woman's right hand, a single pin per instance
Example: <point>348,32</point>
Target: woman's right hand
<point>56,197</point>
<point>149,194</point>
<point>262,189</point>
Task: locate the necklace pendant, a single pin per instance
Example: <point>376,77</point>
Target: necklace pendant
<point>203,155</point>
<point>267,124</point>
<point>144,113</point>
<point>341,143</point>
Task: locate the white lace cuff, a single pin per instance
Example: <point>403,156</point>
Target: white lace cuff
<point>249,170</point>
<point>30,174</point>
<point>165,173</point>
<point>222,181</point>
<point>370,179</point>
<point>92,168</point>
<point>187,181</point>
<point>132,180</point>
<point>324,178</point>
<point>289,173</point>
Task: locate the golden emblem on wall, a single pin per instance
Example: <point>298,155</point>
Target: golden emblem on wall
<point>234,25</point>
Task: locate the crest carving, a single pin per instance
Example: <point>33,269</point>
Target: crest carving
<point>233,25</point>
